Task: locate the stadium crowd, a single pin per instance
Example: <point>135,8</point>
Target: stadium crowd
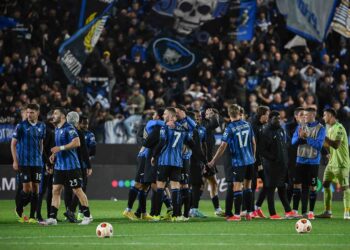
<point>249,73</point>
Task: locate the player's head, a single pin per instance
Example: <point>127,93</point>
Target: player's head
<point>73,118</point>
<point>197,116</point>
<point>275,118</point>
<point>180,112</point>
<point>299,114</point>
<point>262,114</point>
<point>234,112</point>
<point>59,116</point>
<point>84,123</point>
<point>329,115</point>
<point>242,113</point>
<point>33,111</point>
<point>158,114</point>
<point>169,114</point>
<point>310,114</point>
<point>24,115</point>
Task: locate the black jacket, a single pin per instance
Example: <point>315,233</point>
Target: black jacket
<point>273,150</point>
<point>210,126</point>
<point>82,151</point>
<point>257,127</point>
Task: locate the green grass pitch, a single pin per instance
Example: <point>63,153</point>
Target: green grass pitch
<point>210,233</point>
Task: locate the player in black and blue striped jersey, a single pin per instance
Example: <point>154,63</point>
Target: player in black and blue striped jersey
<point>67,172</point>
<point>27,154</point>
<point>169,155</point>
<point>145,174</point>
<point>239,136</point>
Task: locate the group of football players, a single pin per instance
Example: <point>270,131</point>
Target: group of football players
<point>177,159</point>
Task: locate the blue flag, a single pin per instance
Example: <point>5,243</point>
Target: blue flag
<point>7,22</point>
<point>90,9</point>
<point>246,20</point>
<point>74,51</point>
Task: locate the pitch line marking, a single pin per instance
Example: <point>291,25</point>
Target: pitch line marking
<point>153,235</point>
<point>175,244</point>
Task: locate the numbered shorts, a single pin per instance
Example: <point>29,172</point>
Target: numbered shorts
<point>337,175</point>
<point>68,178</point>
<point>306,174</point>
<point>30,174</point>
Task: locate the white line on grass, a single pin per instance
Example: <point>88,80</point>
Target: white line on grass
<point>100,243</point>
<point>157,235</point>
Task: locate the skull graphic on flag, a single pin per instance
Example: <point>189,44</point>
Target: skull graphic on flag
<point>189,15</point>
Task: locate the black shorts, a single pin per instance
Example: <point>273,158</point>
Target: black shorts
<point>150,172</point>
<point>140,169</point>
<point>68,178</point>
<point>169,173</point>
<point>30,174</point>
<point>306,174</point>
<point>185,171</point>
<point>243,173</point>
<point>85,178</point>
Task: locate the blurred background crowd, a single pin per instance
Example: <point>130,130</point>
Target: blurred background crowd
<point>122,84</point>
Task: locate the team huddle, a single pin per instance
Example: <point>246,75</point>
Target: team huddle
<point>49,157</point>
<point>177,159</point>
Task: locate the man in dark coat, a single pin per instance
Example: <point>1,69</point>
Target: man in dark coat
<point>273,146</point>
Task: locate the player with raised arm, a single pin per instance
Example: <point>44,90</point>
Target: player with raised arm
<point>145,173</point>
<point>240,138</point>
<point>169,155</point>
<point>338,166</point>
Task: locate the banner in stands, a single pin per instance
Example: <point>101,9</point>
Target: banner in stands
<point>74,51</point>
<point>308,18</point>
<point>113,175</point>
<point>341,21</point>
<point>189,15</point>
<point>112,182</point>
<point>90,9</point>
<point>246,20</point>
<point>6,131</point>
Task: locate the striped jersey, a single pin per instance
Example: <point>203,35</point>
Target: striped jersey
<point>66,159</point>
<point>146,132</point>
<point>29,138</point>
<point>174,138</point>
<point>239,136</point>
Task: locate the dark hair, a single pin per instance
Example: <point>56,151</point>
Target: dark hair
<point>332,111</point>
<point>160,112</point>
<point>83,118</point>
<point>274,113</point>
<point>181,107</point>
<point>63,111</point>
<point>310,109</point>
<point>33,106</point>
<point>261,111</point>
<point>297,110</point>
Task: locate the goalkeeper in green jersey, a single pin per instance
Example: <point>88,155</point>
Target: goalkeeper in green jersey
<point>338,167</point>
